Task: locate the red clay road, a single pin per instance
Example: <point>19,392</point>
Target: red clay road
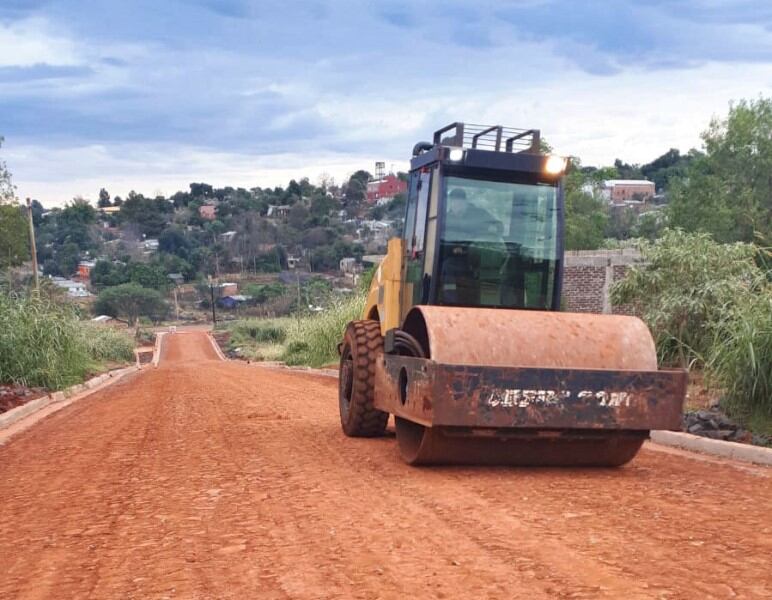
<point>212,479</point>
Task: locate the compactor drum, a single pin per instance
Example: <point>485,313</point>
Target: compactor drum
<point>462,340</point>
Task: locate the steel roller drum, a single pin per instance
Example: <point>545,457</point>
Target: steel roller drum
<point>524,338</point>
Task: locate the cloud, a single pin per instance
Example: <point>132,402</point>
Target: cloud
<point>31,42</point>
<point>311,81</point>
<point>649,34</point>
<point>41,71</point>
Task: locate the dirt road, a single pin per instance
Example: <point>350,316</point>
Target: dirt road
<point>212,479</point>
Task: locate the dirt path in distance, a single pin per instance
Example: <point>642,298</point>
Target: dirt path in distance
<point>212,479</point>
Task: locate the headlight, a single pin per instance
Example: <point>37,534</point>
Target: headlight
<point>456,154</point>
<point>555,165</point>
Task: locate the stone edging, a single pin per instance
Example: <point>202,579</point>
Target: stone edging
<point>696,443</point>
<point>270,364</point>
<point>215,345</point>
<point>15,415</point>
<point>157,351</point>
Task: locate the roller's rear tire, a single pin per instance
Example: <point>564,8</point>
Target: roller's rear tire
<point>362,342</point>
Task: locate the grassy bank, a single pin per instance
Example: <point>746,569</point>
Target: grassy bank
<point>309,340</point>
<point>44,344</point>
<point>709,307</point>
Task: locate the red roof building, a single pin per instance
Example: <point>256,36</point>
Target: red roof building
<point>385,189</point>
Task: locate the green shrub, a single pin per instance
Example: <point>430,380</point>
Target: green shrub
<point>709,305</point>
<point>130,301</point>
<point>683,287</point>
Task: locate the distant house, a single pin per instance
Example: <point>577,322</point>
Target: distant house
<point>228,236</point>
<point>233,301</point>
<point>228,289</point>
<point>74,289</point>
<point>384,189</point>
<point>278,211</point>
<point>84,268</point>
<point>109,321</point>
<point>110,210</point>
<point>208,212</point>
<point>619,192</point>
<point>380,229</point>
<point>177,278</point>
<point>349,265</point>
<point>150,244</point>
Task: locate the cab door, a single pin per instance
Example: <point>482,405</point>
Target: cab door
<point>417,277</point>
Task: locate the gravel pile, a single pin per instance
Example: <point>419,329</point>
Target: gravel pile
<point>716,425</point>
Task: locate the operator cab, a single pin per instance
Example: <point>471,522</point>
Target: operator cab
<point>484,220</point>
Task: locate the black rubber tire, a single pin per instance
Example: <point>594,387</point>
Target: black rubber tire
<point>362,342</point>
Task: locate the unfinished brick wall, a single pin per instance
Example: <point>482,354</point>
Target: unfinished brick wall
<point>588,276</point>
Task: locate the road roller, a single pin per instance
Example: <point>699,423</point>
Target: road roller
<point>462,337</point>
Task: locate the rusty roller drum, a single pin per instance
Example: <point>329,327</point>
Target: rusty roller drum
<point>520,338</point>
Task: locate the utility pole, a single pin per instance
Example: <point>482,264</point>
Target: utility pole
<point>297,273</point>
<point>211,289</point>
<point>176,304</point>
<point>33,246</point>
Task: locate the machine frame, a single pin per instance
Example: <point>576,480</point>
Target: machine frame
<point>460,379</point>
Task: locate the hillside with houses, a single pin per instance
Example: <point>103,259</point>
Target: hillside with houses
<point>269,251</point>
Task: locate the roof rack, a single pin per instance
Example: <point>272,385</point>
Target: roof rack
<point>495,138</point>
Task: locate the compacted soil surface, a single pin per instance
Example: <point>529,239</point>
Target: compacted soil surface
<point>210,479</point>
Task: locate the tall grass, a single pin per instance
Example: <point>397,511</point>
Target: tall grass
<point>310,339</point>
<point>709,305</point>
<point>43,344</point>
<point>314,339</point>
<point>741,358</point>
<point>104,344</point>
<point>258,339</point>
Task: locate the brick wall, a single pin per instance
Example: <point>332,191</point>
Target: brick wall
<point>589,275</point>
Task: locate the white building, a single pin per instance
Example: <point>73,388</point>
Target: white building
<point>75,289</point>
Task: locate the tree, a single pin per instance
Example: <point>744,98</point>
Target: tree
<point>297,217</point>
<point>65,260</point>
<point>131,301</point>
<point>586,216</point>
<point>322,204</point>
<point>149,214</point>
<point>14,235</point>
<point>672,164</point>
<point>37,213</point>
<point>72,226</point>
<point>174,241</point>
<point>150,276</point>
<point>356,188</point>
<point>14,241</point>
<point>7,189</point>
<point>727,192</point>
<point>201,190</point>
<point>107,274</point>
<point>104,199</point>
<point>627,171</point>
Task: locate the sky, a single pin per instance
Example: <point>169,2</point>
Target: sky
<point>151,95</point>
